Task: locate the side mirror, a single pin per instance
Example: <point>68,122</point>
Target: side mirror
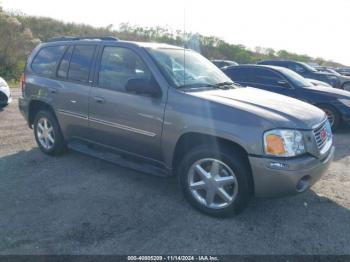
<point>143,86</point>
<point>283,83</point>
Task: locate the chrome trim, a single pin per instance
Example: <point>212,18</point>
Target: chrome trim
<point>127,128</point>
<point>323,145</point>
<point>316,126</point>
<point>72,114</point>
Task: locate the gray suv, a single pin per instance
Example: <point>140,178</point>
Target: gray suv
<point>166,110</point>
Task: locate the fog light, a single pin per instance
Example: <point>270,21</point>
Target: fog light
<point>303,184</point>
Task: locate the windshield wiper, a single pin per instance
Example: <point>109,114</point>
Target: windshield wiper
<point>223,85</point>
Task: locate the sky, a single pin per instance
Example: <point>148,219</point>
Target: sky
<point>319,28</point>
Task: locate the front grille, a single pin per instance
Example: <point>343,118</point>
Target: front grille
<point>323,135</point>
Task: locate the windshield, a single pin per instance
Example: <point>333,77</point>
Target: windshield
<point>186,68</point>
<point>308,67</point>
<point>297,79</point>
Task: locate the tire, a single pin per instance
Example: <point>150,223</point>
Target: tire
<point>3,100</point>
<point>48,136</point>
<point>333,116</point>
<point>346,86</point>
<point>240,192</point>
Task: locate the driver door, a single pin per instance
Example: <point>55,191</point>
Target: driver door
<point>126,121</point>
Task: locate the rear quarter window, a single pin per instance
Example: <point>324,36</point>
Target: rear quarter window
<point>46,60</point>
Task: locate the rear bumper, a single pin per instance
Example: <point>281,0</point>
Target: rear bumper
<point>23,105</point>
<point>293,177</point>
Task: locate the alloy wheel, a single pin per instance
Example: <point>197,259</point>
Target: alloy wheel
<point>212,183</point>
<point>45,133</point>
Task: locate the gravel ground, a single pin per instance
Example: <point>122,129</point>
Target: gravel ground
<point>75,204</point>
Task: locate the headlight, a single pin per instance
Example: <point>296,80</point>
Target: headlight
<point>345,102</point>
<point>283,143</point>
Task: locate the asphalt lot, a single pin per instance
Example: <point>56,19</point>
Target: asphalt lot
<point>75,204</point>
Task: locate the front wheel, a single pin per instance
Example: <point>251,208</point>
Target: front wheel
<point>48,134</point>
<point>215,182</point>
<point>346,86</point>
<point>332,115</point>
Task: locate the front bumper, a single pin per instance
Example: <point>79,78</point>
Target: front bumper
<point>292,177</point>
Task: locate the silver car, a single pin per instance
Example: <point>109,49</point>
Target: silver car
<point>166,110</point>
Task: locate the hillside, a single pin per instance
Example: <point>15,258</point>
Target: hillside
<point>23,32</point>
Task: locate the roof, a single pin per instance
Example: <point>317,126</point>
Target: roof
<point>110,39</point>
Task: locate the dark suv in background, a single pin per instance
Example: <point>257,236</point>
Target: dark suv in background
<point>308,71</point>
<point>165,110</point>
<point>335,102</point>
<point>223,63</point>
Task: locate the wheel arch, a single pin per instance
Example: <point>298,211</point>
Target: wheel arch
<point>191,139</point>
<point>35,106</point>
<point>345,83</point>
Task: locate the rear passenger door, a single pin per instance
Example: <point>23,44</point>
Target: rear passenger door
<point>130,122</point>
<point>71,92</point>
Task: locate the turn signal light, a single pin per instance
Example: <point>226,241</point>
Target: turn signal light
<point>275,145</point>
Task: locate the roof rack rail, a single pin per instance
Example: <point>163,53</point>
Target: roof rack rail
<point>74,38</point>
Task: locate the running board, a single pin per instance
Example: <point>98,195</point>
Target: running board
<point>118,159</point>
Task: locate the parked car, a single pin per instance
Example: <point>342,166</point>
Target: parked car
<point>344,79</point>
<point>344,71</point>
<point>318,83</point>
<point>223,63</point>
<point>334,102</point>
<point>309,72</point>
<point>5,93</point>
<point>110,98</point>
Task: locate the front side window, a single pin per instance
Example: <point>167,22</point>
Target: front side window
<point>118,66</point>
<point>80,63</point>
<point>295,78</point>
<point>185,68</point>
<point>46,60</point>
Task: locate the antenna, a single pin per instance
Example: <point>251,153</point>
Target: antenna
<point>184,39</point>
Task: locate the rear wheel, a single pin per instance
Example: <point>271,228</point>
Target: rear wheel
<point>332,115</point>
<point>215,182</point>
<point>48,134</point>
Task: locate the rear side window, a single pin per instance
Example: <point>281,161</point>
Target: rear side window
<point>297,68</point>
<point>80,63</point>
<point>240,74</point>
<point>266,77</point>
<point>46,60</point>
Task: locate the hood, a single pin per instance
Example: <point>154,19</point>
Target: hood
<point>329,91</point>
<point>344,78</point>
<point>280,111</point>
<point>324,73</point>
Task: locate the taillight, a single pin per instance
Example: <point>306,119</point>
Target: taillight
<point>22,82</point>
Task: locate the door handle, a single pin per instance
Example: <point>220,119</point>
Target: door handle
<point>99,100</point>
